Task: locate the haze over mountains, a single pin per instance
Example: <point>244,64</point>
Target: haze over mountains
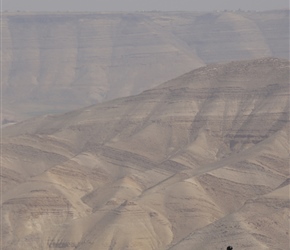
<point>199,162</point>
<point>63,61</point>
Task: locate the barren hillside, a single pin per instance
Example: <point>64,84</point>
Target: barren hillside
<point>62,61</point>
<point>199,162</point>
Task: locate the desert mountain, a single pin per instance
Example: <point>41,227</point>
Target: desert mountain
<point>199,162</point>
<point>55,62</point>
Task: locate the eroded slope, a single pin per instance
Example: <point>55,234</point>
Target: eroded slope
<point>63,61</point>
<point>199,161</point>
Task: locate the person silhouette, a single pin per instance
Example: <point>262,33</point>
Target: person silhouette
<point>229,248</point>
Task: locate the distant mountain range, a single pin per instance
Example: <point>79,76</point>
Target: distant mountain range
<point>55,62</point>
<point>199,162</point>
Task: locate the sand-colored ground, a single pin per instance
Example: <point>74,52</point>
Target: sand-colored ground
<point>199,162</point>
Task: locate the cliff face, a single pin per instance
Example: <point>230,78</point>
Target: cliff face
<point>62,61</point>
<point>199,162</point>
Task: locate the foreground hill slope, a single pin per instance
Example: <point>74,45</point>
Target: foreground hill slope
<point>54,62</point>
<point>200,161</point>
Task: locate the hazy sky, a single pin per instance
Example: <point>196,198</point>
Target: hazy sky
<point>146,5</point>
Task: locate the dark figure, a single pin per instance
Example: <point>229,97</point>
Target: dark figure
<point>229,248</point>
